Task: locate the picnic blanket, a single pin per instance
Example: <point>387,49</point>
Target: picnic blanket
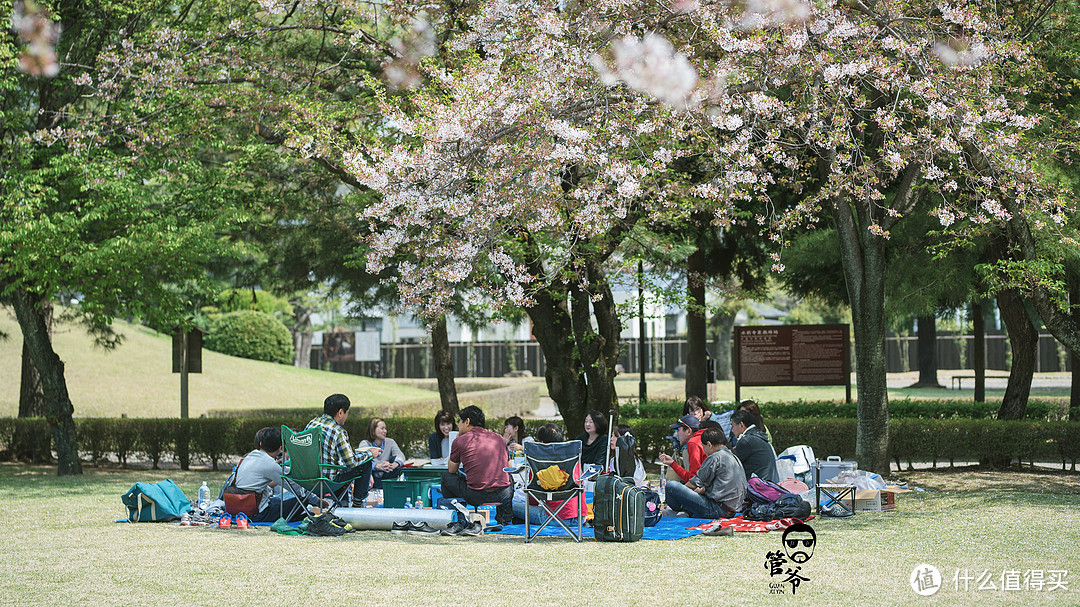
<point>738,523</point>
<point>669,528</point>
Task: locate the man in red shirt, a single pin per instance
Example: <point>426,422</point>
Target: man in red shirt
<point>481,454</point>
<point>688,430</point>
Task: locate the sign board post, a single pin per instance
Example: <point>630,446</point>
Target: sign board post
<point>792,355</point>
<point>186,358</point>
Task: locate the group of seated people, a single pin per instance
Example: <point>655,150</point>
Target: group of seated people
<point>713,473</point>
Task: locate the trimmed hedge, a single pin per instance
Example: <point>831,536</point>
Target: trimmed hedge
<point>1049,410</point>
<point>218,440</point>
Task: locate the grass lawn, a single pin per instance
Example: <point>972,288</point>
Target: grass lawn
<point>136,379</point>
<point>62,549</point>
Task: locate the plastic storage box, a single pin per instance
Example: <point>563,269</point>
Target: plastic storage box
<point>395,492</point>
<point>831,466</point>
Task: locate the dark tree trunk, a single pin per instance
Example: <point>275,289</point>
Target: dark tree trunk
<point>58,407</point>
<point>301,332</point>
<point>863,256</point>
<point>696,382</point>
<point>1024,342</point>
<point>444,366</point>
<point>978,354</point>
<point>928,361</point>
<point>599,346</point>
<point>553,330</point>
<point>31,395</point>
<point>724,321</point>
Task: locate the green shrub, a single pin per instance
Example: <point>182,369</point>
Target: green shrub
<point>213,438</point>
<point>125,439</point>
<point>250,334</point>
<point>154,438</point>
<point>96,435</point>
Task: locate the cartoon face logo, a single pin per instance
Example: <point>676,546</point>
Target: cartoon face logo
<point>799,540</point>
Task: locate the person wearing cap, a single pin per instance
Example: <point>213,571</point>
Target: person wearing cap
<point>688,431</point>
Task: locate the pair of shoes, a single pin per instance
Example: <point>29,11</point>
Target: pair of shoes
<point>337,521</point>
<point>720,531</point>
<point>837,511</point>
<point>321,526</point>
<point>456,528</point>
<point>413,529</point>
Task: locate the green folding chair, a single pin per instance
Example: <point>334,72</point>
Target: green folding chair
<point>303,471</point>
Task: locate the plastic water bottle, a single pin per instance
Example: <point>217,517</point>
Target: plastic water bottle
<point>204,497</point>
<point>419,503</point>
<point>663,482</point>
<point>408,503</point>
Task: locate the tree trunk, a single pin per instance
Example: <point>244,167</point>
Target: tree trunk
<point>58,407</point>
<point>599,346</point>
<point>724,321</point>
<point>864,265</point>
<point>31,395</point>
<point>978,354</point>
<point>444,366</point>
<point>928,361</point>
<point>553,330</point>
<point>301,332</point>
<point>696,382</point>
<point>1024,341</point>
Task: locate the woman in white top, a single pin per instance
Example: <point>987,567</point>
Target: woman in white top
<point>387,465</point>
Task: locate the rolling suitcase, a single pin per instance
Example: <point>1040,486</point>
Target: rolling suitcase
<point>618,510</point>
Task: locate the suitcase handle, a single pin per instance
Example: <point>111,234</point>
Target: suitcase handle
<point>832,458</point>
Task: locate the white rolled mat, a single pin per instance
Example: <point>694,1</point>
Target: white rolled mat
<point>384,518</point>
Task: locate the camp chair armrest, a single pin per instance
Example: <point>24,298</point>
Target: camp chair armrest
<point>515,470</point>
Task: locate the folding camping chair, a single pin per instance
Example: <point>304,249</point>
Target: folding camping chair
<point>548,464</point>
<point>305,475</point>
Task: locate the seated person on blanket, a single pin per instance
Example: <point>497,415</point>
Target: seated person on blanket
<point>718,488</point>
<point>337,451</point>
<point>755,453</point>
<point>549,433</point>
<point>482,455</point>
<point>688,431</point>
<point>388,463</point>
<point>260,472</point>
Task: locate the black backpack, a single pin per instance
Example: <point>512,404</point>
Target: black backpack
<point>787,506</point>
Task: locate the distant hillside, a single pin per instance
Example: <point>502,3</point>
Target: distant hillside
<point>136,378</point>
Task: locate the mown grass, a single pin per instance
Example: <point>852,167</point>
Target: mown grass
<point>63,549</point>
<point>136,379</point>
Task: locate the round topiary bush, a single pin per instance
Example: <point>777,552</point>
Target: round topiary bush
<point>250,334</point>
